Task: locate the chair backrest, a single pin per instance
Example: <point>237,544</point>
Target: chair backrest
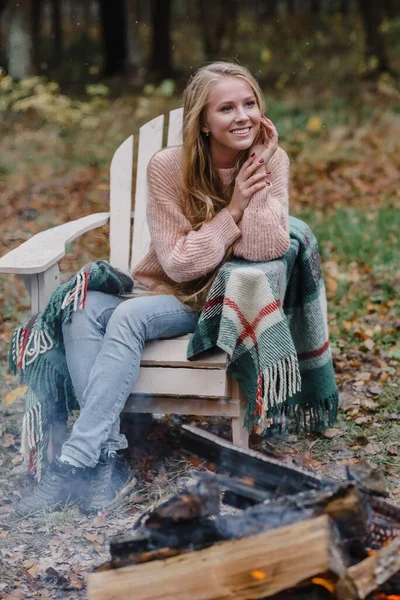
<point>150,141</point>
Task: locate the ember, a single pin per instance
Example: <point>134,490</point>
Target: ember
<point>259,575</point>
<point>325,583</point>
<point>342,538</point>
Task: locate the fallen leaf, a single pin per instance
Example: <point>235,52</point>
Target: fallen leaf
<point>368,404</point>
<point>90,536</point>
<point>332,433</point>
<point>375,389</point>
<point>8,441</point>
<point>368,344</point>
<point>99,521</point>
<point>365,376</point>
<point>15,395</point>
<point>393,417</point>
<point>362,440</point>
<point>348,401</point>
<point>373,448</point>
<point>33,570</point>
<point>361,420</point>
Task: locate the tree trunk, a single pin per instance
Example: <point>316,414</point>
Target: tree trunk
<point>134,58</point>
<point>112,15</point>
<point>345,6</point>
<point>392,8</point>
<point>2,49</point>
<point>375,50</point>
<point>57,32</point>
<point>315,7</point>
<point>267,10</point>
<point>233,25</point>
<point>218,20</point>
<point>87,16</point>
<point>160,65</point>
<point>37,6</point>
<point>290,6</point>
<point>19,42</point>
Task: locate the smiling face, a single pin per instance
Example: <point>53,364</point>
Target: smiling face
<point>232,119</point>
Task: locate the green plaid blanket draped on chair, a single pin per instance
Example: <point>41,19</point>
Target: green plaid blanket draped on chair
<point>271,319</point>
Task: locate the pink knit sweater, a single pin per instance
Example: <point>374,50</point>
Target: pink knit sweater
<point>179,253</point>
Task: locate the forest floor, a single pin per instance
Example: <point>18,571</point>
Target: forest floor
<point>345,183</point>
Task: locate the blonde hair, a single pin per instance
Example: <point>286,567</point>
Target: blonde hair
<point>202,183</point>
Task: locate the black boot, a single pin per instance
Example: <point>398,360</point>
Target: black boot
<point>61,484</point>
<point>110,481</point>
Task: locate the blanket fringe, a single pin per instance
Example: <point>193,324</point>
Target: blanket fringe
<point>29,345</point>
<point>281,381</point>
<point>77,295</point>
<point>33,441</point>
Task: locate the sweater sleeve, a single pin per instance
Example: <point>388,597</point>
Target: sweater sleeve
<point>264,225</point>
<point>183,253</point>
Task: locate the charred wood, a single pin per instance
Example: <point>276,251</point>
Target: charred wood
<point>369,575</point>
<point>160,533</point>
<point>201,499</point>
<point>268,474</point>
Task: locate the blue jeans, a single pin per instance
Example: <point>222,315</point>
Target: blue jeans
<point>103,346</point>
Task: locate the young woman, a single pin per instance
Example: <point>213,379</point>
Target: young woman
<point>223,193</point>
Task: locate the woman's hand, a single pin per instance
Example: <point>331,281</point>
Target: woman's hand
<point>248,182</point>
<point>264,150</point>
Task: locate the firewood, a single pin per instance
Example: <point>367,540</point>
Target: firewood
<point>269,474</point>
<point>368,478</point>
<point>200,499</point>
<point>241,492</point>
<point>161,536</point>
<point>368,575</point>
<point>257,566</point>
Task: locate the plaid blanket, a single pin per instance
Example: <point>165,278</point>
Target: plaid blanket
<point>37,351</point>
<point>271,319</point>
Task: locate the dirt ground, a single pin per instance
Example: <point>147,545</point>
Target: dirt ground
<point>50,556</point>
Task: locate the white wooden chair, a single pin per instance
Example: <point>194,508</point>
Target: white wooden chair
<point>168,383</point>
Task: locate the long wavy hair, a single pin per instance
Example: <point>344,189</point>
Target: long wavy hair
<point>205,193</point>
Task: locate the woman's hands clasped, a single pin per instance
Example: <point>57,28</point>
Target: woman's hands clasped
<point>253,176</point>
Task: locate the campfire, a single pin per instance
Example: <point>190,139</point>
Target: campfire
<point>289,535</point>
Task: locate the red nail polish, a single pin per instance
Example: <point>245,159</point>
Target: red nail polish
<point>251,155</point>
<point>268,183</point>
<point>268,172</point>
<point>261,161</point>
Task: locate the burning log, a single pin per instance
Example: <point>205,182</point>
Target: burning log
<point>252,567</point>
<point>368,575</point>
<point>168,537</point>
<point>297,536</point>
<point>201,499</point>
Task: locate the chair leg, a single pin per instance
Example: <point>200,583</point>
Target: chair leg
<point>240,435</point>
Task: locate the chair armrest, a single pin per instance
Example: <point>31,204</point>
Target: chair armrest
<point>45,249</point>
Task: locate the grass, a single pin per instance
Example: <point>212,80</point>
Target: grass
<point>360,249</point>
<point>367,237</point>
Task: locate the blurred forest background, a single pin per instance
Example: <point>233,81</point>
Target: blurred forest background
<point>77,77</point>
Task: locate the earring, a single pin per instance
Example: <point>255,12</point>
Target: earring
<point>207,133</point>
